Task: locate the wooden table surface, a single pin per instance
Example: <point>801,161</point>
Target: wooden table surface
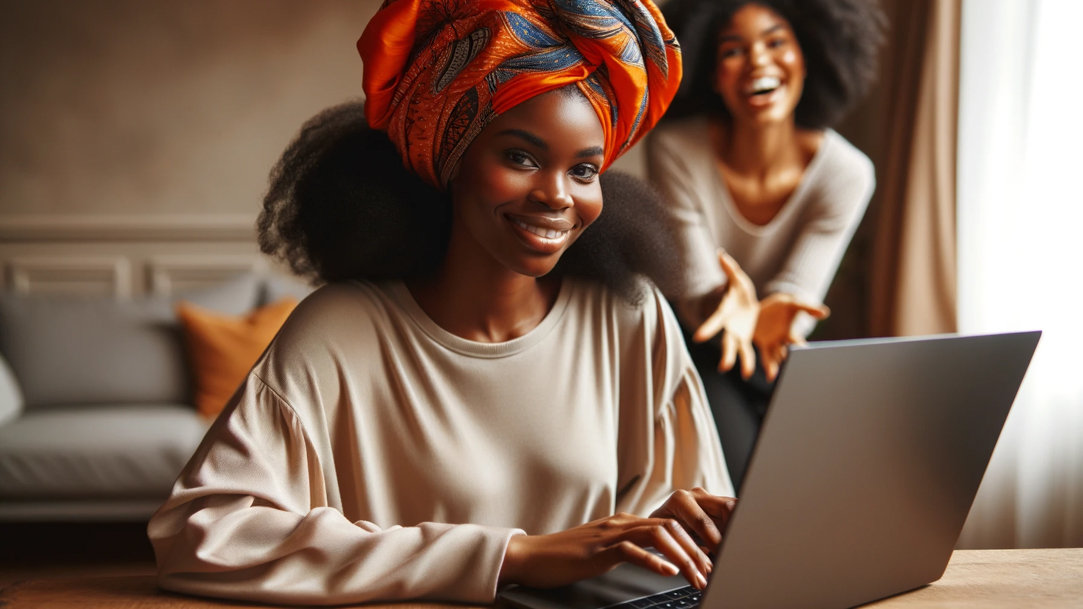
<point>975,578</point>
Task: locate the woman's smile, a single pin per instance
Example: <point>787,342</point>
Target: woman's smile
<point>547,235</point>
<point>764,91</point>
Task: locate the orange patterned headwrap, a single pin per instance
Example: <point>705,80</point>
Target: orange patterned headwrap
<point>438,71</point>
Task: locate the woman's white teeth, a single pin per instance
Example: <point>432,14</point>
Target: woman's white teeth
<point>764,84</point>
<point>547,233</point>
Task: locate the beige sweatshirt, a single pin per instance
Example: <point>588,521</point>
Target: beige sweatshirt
<point>371,455</point>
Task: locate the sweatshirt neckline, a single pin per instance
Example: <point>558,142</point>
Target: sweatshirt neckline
<point>789,207</point>
<point>401,295</point>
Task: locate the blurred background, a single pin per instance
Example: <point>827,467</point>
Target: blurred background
<point>136,138</point>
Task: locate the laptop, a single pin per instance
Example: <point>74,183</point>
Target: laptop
<point>866,466</point>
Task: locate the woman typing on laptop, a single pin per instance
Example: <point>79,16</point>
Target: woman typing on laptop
<point>484,392</point>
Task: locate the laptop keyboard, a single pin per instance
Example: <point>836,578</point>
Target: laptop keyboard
<point>681,598</point>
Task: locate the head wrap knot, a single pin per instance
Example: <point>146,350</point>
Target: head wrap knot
<point>438,71</point>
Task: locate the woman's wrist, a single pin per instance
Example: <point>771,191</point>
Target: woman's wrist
<point>514,557</point>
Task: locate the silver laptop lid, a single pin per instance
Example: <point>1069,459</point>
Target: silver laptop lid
<point>866,467</point>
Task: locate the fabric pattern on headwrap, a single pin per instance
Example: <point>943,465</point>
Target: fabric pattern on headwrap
<point>438,71</point>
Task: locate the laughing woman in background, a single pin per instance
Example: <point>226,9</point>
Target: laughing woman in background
<point>757,180</point>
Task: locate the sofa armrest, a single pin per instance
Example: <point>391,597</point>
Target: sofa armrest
<point>11,398</point>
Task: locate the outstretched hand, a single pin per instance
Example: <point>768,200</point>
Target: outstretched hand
<point>677,530</point>
<point>735,317</point>
<point>774,329</point>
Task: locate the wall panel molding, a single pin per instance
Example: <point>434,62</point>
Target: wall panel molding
<point>84,275</point>
<point>170,274</point>
<point>127,227</point>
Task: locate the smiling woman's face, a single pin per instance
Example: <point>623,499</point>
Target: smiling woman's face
<point>760,70</point>
<point>527,186</point>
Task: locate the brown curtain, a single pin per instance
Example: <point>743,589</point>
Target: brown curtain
<point>912,284</point>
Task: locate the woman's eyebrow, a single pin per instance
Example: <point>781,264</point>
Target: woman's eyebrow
<point>540,143</point>
<point>528,136</point>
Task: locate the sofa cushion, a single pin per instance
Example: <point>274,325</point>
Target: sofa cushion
<point>223,348</point>
<point>104,452</point>
<point>93,350</point>
<point>11,398</point>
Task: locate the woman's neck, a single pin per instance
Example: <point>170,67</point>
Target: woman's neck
<point>759,150</point>
<point>762,165</point>
<point>477,300</point>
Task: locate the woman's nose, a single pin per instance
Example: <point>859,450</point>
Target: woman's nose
<point>552,191</point>
<point>758,54</point>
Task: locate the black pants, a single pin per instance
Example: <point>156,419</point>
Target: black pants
<point>738,406</point>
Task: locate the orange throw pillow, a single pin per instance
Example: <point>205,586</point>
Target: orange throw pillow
<point>222,348</point>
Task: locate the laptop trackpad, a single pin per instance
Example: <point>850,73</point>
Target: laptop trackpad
<point>624,583</point>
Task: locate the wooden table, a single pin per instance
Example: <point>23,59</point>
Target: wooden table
<point>974,578</point>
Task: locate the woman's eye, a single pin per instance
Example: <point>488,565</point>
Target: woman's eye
<point>518,157</point>
<point>585,172</point>
<point>729,52</point>
<point>775,43</point>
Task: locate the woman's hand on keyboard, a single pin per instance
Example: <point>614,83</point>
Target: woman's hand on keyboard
<point>702,514</point>
<point>591,549</point>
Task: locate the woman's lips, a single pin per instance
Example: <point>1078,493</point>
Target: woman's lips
<point>547,233</point>
<point>763,91</point>
<point>543,234</point>
<point>763,84</point>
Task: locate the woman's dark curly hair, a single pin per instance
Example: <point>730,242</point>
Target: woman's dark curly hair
<point>840,40</point>
<point>341,205</point>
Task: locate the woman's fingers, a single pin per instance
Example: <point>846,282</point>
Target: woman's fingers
<point>703,514</point>
<point>730,346</point>
<point>792,305</point>
<point>720,509</point>
<point>684,506</point>
<point>592,549</point>
<point>676,532</point>
<point>817,311</point>
<point>748,359</point>
<point>670,538</point>
<point>734,272</point>
<point>676,551</point>
<point>711,326</point>
<point>771,358</point>
<point>630,552</point>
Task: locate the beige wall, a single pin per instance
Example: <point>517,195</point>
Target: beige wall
<point>136,136</point>
<point>151,107</point>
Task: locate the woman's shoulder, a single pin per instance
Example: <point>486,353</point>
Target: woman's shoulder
<point>621,312</point>
<point>840,157</point>
<point>355,307</point>
<point>350,295</point>
<point>841,178</point>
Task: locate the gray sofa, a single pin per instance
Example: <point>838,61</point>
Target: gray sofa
<point>96,418</point>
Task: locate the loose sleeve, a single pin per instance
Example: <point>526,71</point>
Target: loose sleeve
<point>252,517</point>
<point>669,442</point>
<point>670,171</point>
<point>841,194</point>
